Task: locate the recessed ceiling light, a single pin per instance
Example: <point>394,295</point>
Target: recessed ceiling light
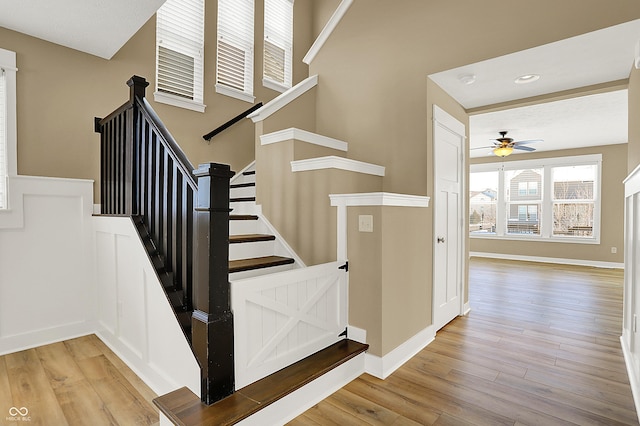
<point>467,79</point>
<point>527,78</point>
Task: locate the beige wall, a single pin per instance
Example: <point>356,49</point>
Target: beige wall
<point>634,120</point>
<point>614,170</point>
<point>60,90</point>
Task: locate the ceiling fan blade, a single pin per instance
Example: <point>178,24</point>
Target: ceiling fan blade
<point>483,147</point>
<point>524,148</point>
<point>528,141</point>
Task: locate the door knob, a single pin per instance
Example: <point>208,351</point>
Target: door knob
<point>440,240</point>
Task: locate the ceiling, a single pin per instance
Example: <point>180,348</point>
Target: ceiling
<point>598,57</point>
<point>97,27</point>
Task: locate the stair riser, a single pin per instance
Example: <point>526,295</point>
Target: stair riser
<point>244,179</point>
<point>258,272</point>
<point>238,227</point>
<point>243,207</point>
<point>249,250</point>
<point>249,191</point>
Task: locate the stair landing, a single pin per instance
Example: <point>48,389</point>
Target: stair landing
<point>183,407</point>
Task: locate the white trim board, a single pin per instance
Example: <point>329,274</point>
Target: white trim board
<point>284,99</point>
<point>303,136</point>
<point>633,380</point>
<point>331,25</point>
<point>382,367</point>
<point>379,199</point>
<point>333,162</point>
<point>558,260</point>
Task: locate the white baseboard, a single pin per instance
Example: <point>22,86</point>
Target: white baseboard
<point>296,403</point>
<point>382,367</point>
<point>33,339</point>
<point>357,334</point>
<point>466,308</point>
<point>578,262</point>
<point>633,378</point>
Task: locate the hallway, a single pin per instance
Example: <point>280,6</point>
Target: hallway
<point>539,347</point>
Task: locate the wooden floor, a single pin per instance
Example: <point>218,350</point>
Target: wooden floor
<point>76,382</point>
<point>539,347</point>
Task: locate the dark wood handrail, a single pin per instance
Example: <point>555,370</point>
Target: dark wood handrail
<point>184,213</point>
<point>231,122</point>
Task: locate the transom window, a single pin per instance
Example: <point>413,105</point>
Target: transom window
<point>554,198</point>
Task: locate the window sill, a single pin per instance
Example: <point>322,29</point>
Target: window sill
<point>228,91</point>
<point>176,101</point>
<point>274,85</point>
<point>537,239</point>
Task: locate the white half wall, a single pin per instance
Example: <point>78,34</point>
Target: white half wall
<point>135,318</point>
<point>46,273</point>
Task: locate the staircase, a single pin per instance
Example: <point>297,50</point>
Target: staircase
<point>253,251</point>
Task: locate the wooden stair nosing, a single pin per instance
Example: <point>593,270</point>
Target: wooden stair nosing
<point>258,263</point>
<point>243,217</point>
<point>242,185</point>
<point>242,199</point>
<point>250,238</point>
<point>249,172</point>
<point>183,407</point>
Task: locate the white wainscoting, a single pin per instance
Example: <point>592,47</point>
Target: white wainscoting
<point>134,315</point>
<point>283,317</point>
<point>46,290</point>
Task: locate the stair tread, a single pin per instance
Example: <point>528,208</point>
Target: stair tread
<point>250,238</point>
<point>243,217</point>
<point>184,407</point>
<point>242,185</point>
<point>241,199</point>
<point>258,263</point>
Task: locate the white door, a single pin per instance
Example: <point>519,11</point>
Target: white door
<point>449,162</point>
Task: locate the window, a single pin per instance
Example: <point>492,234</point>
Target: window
<point>553,198</point>
<point>482,202</point>
<point>180,54</point>
<point>278,44</point>
<point>7,123</point>
<point>234,72</point>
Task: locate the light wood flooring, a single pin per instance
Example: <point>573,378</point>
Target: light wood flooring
<point>539,347</point>
<point>75,382</point>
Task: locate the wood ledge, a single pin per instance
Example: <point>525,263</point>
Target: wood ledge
<point>184,408</point>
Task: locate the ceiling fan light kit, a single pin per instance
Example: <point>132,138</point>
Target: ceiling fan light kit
<point>503,151</point>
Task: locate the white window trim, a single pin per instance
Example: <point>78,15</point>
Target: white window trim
<point>177,101</point>
<point>547,201</point>
<point>8,63</point>
<point>229,91</point>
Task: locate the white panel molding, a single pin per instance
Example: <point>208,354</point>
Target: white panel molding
<point>303,136</point>
<point>331,25</point>
<point>558,260</point>
<point>151,343</point>
<point>53,218</point>
<point>382,367</point>
<point>333,162</point>
<point>284,99</point>
<point>21,186</point>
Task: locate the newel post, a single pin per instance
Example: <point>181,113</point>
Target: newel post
<point>212,321</point>
<point>137,87</point>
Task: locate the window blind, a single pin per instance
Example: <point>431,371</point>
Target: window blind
<point>180,49</point>
<point>235,45</point>
<point>3,140</point>
<point>278,41</point>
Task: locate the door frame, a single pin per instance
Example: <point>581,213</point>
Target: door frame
<point>445,121</point>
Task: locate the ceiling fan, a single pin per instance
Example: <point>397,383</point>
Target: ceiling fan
<point>504,146</point>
